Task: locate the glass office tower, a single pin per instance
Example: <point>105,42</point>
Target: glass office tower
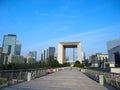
<point>51,53</point>
<point>9,44</point>
<point>18,48</point>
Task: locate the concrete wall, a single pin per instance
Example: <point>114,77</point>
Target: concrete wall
<point>60,53</point>
<point>115,70</point>
<point>79,46</point>
<point>111,58</point>
<point>111,53</point>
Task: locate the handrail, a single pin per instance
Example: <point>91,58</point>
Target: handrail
<point>10,77</point>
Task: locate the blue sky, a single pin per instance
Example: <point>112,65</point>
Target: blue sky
<point>39,24</point>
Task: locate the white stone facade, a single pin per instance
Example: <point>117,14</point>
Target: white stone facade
<point>62,48</point>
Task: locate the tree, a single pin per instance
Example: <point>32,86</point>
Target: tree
<point>52,63</point>
<point>66,64</point>
<point>78,64</point>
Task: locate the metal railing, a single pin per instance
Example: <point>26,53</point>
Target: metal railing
<point>11,77</point>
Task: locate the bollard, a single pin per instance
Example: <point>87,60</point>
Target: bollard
<point>54,70</point>
<point>101,80</point>
<point>57,69</point>
<point>29,76</point>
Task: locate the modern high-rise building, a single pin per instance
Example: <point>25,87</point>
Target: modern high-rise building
<point>18,48</point>
<point>33,54</point>
<point>11,50</point>
<point>51,53</point>
<point>42,55</point>
<point>9,44</point>
<point>45,54</point>
<point>48,54</point>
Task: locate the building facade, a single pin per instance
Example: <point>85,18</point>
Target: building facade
<point>18,48</point>
<point>9,44</point>
<point>98,60</point>
<point>61,55</point>
<point>13,59</point>
<point>30,59</point>
<point>33,54</point>
<point>48,54</point>
<point>114,52</point>
<point>44,54</point>
<point>51,53</point>
<point>11,50</point>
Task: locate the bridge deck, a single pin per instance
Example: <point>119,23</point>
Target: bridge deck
<point>63,80</point>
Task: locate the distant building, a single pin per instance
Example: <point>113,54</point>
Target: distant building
<point>1,56</point>
<point>11,49</point>
<point>98,60</point>
<point>48,54</point>
<point>42,55</point>
<point>45,54</point>
<point>18,48</point>
<point>86,62</point>
<point>51,53</point>
<point>91,61</point>
<point>30,59</point>
<point>33,54</point>
<point>114,52</point>
<point>13,59</point>
<point>9,43</point>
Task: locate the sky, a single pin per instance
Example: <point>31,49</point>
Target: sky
<point>40,24</point>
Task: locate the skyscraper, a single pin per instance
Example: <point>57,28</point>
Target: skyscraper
<point>33,54</point>
<point>51,53</point>
<point>42,55</point>
<point>9,44</point>
<point>48,54</point>
<point>18,48</point>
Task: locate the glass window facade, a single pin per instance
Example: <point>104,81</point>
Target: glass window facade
<point>9,43</point>
<point>18,48</point>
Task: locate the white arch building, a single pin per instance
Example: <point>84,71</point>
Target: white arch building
<point>61,57</point>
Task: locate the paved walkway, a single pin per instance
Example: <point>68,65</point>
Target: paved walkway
<point>63,80</point>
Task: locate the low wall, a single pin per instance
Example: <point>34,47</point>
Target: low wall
<point>18,76</point>
<point>109,78</point>
<point>115,70</point>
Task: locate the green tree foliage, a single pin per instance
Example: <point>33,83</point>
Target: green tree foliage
<point>66,64</point>
<point>52,63</point>
<point>78,64</point>
<point>41,64</point>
